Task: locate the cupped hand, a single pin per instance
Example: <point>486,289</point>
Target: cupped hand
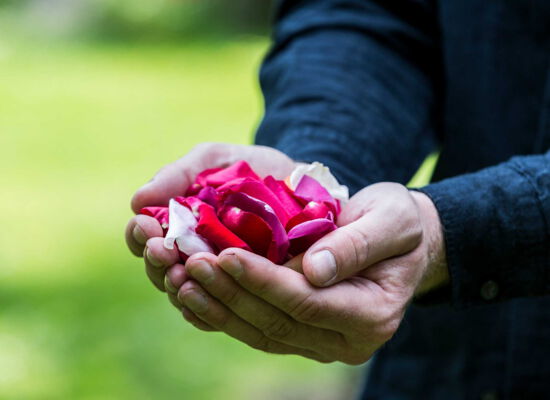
<point>144,233</point>
<point>353,292</point>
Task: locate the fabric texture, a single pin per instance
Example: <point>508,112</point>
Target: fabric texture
<point>369,88</point>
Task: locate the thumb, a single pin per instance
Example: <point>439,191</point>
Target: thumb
<point>349,249</point>
<point>174,179</point>
<point>171,181</point>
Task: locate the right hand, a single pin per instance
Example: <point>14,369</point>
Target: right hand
<point>144,233</point>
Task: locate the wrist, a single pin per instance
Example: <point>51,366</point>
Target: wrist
<point>436,273</point>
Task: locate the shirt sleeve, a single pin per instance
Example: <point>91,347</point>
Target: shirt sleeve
<point>497,230</point>
<point>353,84</point>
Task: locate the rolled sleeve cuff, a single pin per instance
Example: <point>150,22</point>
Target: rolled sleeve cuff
<point>494,236</point>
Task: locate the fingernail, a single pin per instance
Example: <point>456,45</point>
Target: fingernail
<point>155,262</point>
<point>324,266</point>
<point>139,235</point>
<point>195,301</point>
<point>168,285</point>
<point>232,265</point>
<point>202,271</point>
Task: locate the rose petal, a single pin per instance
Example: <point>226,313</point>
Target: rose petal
<point>322,175</point>
<point>312,210</point>
<point>278,249</point>
<point>210,196</point>
<point>302,236</point>
<point>211,228</point>
<point>258,190</point>
<point>310,190</point>
<point>182,231</point>
<point>202,178</point>
<point>249,227</point>
<point>193,190</point>
<point>284,194</point>
<point>240,169</point>
<point>159,213</point>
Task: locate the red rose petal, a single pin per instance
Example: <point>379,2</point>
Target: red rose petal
<point>193,190</point>
<point>211,228</point>
<point>240,169</point>
<point>249,227</point>
<point>278,248</point>
<point>202,178</point>
<point>258,190</point>
<point>159,213</point>
<point>284,194</point>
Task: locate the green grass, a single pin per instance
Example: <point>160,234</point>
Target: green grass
<point>81,128</point>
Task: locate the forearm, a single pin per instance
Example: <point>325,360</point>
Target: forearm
<point>497,234</point>
<point>352,84</point>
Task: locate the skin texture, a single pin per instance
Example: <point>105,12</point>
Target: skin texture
<point>388,249</point>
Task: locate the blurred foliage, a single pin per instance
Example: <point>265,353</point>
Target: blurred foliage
<point>150,20</point>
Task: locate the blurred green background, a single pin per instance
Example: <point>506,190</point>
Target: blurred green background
<point>95,96</point>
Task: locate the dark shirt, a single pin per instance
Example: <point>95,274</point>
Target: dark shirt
<point>369,88</point>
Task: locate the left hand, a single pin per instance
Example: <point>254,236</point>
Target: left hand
<point>343,300</point>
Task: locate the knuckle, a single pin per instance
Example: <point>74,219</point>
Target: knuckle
<point>359,243</point>
<point>232,299</point>
<point>262,344</point>
<point>263,288</point>
<point>278,329</point>
<point>222,321</point>
<point>306,311</point>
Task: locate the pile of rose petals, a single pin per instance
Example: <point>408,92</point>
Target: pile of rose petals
<point>234,207</point>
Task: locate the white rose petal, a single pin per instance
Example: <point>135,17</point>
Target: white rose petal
<point>181,230</point>
<point>322,175</point>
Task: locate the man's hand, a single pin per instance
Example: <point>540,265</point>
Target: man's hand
<point>353,292</point>
<point>144,233</point>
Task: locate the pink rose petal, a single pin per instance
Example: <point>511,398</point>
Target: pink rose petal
<point>310,190</point>
<point>312,210</point>
<point>210,196</point>
<point>302,236</point>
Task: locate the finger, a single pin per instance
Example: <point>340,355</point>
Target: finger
<point>175,277</point>
<point>339,307</point>
<point>271,321</point>
<point>157,259</point>
<point>284,288</point>
<point>171,181</point>
<point>196,321</point>
<point>140,229</point>
<point>215,314</point>
<point>173,298</point>
<point>155,275</point>
<point>349,249</point>
<point>295,263</point>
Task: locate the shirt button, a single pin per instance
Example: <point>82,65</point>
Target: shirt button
<point>489,290</point>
